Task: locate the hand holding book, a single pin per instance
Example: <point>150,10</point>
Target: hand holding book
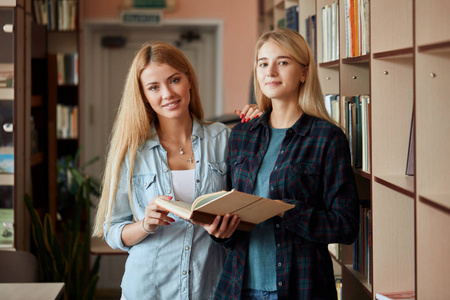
<point>251,209</point>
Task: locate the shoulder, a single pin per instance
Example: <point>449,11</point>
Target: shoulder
<point>215,130</point>
<point>325,129</point>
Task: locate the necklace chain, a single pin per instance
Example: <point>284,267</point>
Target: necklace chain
<point>190,160</point>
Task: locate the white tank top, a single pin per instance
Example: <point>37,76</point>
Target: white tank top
<point>183,185</point>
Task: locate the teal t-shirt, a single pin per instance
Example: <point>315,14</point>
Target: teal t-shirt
<point>260,268</point>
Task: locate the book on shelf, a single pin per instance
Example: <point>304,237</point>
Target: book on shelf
<point>410,158</point>
<point>6,163</point>
<point>6,75</point>
<point>67,68</point>
<point>330,33</point>
<point>292,17</point>
<point>251,209</point>
<point>56,14</point>
<point>66,121</point>
<point>408,295</point>
<point>311,34</point>
<point>356,24</point>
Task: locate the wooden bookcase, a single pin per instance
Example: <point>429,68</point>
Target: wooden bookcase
<point>432,197</point>
<point>406,75</point>
<point>65,93</point>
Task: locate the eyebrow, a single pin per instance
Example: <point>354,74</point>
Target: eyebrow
<point>168,78</point>
<point>278,57</point>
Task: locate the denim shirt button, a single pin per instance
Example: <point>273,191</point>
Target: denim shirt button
<point>168,192</point>
<point>184,272</point>
<point>166,170</point>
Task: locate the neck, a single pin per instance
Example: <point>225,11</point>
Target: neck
<point>177,130</point>
<point>284,115</point>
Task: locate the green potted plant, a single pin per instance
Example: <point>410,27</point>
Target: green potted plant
<point>64,254</point>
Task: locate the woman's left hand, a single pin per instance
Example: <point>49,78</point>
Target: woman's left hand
<point>250,111</point>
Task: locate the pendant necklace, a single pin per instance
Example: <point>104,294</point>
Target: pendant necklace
<point>190,160</point>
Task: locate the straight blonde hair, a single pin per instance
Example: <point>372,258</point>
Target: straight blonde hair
<point>310,96</point>
<point>135,116</point>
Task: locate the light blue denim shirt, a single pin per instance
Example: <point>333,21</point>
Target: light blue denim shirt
<point>181,261</point>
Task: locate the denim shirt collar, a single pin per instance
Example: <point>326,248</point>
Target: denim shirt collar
<point>197,131</point>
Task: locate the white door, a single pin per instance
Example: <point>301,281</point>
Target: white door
<point>106,67</point>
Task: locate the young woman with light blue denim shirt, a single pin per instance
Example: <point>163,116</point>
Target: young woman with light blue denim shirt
<point>161,147</point>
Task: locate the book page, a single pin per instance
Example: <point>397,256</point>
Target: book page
<point>203,199</point>
<point>180,208</point>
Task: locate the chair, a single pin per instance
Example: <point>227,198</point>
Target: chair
<point>18,266</point>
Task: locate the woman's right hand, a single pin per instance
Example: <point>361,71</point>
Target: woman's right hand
<point>221,227</point>
<point>154,215</point>
<point>250,111</point>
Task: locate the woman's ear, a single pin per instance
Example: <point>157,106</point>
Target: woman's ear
<point>304,74</point>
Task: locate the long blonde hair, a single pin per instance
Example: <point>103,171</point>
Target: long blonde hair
<point>310,96</point>
<point>135,116</point>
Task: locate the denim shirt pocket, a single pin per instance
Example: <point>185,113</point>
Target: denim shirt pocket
<point>217,172</point>
<point>144,188</point>
<point>305,180</point>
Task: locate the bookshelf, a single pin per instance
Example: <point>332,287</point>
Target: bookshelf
<point>432,197</point>
<point>15,106</point>
<point>62,93</point>
<point>403,71</point>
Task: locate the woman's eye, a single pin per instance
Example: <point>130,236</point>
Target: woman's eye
<point>283,63</point>
<point>175,80</point>
<point>153,88</point>
<point>263,64</point>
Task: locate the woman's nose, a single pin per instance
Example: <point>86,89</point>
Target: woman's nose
<point>167,92</point>
<point>271,71</point>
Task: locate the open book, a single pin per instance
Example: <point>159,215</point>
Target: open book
<point>250,208</point>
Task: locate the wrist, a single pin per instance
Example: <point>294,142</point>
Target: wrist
<point>157,228</point>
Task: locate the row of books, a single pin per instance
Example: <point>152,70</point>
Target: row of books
<point>292,17</point>
<point>330,32</point>
<point>6,75</point>
<point>311,34</point>
<point>67,68</point>
<point>362,247</point>
<point>356,119</point>
<point>332,104</point>
<point>357,127</point>
<point>56,14</point>
<point>356,27</point>
<point>66,121</point>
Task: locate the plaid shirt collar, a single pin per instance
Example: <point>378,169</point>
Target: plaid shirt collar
<point>302,126</point>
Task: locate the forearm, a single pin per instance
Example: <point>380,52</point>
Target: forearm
<point>134,233</point>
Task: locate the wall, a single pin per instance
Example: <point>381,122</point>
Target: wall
<point>240,35</point>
